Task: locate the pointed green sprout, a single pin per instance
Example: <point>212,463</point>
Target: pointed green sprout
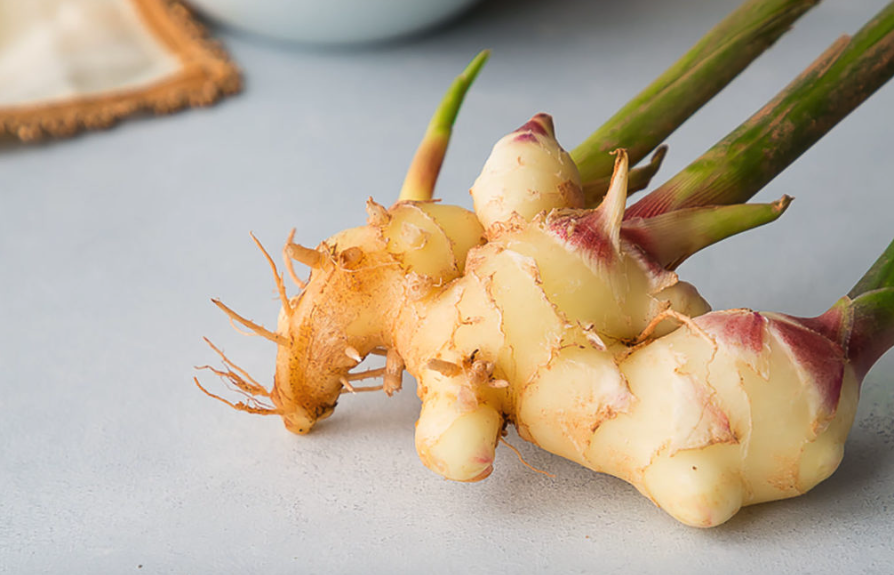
<point>650,117</point>
<point>419,183</point>
<point>672,237</point>
<point>737,167</point>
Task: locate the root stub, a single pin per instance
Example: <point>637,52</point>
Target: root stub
<point>256,328</point>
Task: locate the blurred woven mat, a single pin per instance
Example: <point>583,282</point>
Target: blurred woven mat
<point>68,65</point>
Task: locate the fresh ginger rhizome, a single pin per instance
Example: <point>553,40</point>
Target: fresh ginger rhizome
<point>555,308</point>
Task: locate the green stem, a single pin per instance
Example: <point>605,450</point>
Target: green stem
<point>872,309</point>
<point>872,329</point>
<point>879,276</point>
<point>741,164</point>
<point>419,183</point>
<point>649,118</point>
<point>862,322</point>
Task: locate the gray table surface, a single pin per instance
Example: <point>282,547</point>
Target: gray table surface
<point>111,245</point>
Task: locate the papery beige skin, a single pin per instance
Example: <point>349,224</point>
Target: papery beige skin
<point>564,328</point>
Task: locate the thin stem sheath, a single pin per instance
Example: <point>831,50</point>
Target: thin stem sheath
<point>672,237</point>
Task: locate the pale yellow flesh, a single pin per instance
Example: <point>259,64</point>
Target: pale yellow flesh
<point>682,418</point>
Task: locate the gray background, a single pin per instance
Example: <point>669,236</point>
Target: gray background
<point>111,245</point>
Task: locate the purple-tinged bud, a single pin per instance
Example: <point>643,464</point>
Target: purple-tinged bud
<point>527,173</point>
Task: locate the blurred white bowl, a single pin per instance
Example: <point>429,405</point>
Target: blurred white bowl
<point>332,21</point>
